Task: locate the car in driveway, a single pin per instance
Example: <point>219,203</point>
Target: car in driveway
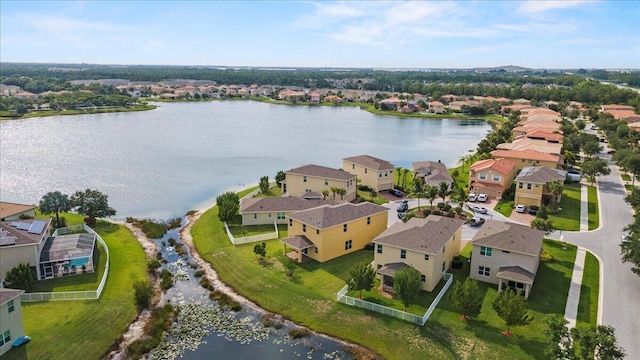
<point>404,206</point>
<point>573,175</point>
<point>396,193</point>
<point>482,197</point>
<point>521,209</point>
<point>473,197</point>
<point>533,210</point>
<point>479,209</point>
<point>476,221</point>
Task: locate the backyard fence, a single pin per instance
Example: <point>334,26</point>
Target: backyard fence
<point>254,238</point>
<point>419,320</point>
<point>73,295</point>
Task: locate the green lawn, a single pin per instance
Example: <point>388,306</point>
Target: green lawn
<point>462,180</point>
<point>625,177</point>
<point>237,230</point>
<point>86,329</point>
<point>403,180</point>
<point>377,199</point>
<point>588,306</point>
<point>274,191</point>
<point>504,207</point>
<point>569,217</point>
<point>308,298</point>
<point>594,214</point>
<point>629,187</point>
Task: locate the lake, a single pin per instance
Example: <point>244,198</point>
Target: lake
<point>162,163</point>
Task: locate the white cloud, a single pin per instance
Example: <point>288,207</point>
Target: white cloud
<point>537,6</point>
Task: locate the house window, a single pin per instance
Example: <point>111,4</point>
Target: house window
<point>423,278</point>
<point>426,257</point>
<point>315,250</point>
<point>443,248</point>
<point>379,249</point>
<point>344,228</point>
<point>522,160</point>
<point>520,185</point>
<point>353,166</point>
<point>485,251</point>
<point>403,254</point>
<point>317,231</point>
<point>365,170</point>
<point>444,266</point>
<point>537,161</point>
<point>482,176</point>
<point>290,222</point>
<point>368,220</point>
<point>269,214</point>
<point>386,173</point>
<point>280,216</point>
<point>347,244</point>
<point>380,175</point>
<point>305,251</point>
<point>255,216</point>
<point>10,306</point>
<point>528,186</point>
<point>537,186</point>
<point>5,337</point>
<point>304,179</point>
<point>506,252</point>
<point>484,271</point>
<point>496,178</point>
<point>304,227</point>
<point>326,182</point>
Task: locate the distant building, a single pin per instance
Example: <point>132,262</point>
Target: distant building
<point>433,172</point>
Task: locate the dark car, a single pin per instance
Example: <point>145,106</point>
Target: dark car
<point>533,210</point>
<point>401,215</point>
<point>476,221</point>
<point>404,206</point>
<point>396,193</point>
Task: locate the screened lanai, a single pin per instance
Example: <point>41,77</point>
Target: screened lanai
<point>68,255</point>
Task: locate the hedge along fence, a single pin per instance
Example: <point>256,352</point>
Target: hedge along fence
<point>419,320</point>
<point>73,295</point>
<point>254,238</point>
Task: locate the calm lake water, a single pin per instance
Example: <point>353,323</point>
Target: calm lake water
<point>162,163</point>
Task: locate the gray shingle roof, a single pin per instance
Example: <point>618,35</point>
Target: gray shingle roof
<point>426,235</point>
<point>298,242</point>
<point>324,217</point>
<point>370,162</point>
<point>9,294</point>
<point>541,175</point>
<point>510,237</point>
<point>281,204</point>
<point>516,273</point>
<point>433,170</point>
<point>391,268</point>
<point>322,172</point>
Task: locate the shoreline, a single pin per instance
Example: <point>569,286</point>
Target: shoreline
<point>35,115</point>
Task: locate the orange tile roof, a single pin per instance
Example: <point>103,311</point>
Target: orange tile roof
<point>527,154</point>
<point>503,166</point>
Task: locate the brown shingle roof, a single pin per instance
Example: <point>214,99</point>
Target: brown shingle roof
<point>322,172</point>
<point>541,175</point>
<point>9,294</point>
<point>516,273</point>
<point>324,217</point>
<point>283,204</point>
<point>8,209</point>
<point>370,162</point>
<point>426,235</point>
<point>510,237</point>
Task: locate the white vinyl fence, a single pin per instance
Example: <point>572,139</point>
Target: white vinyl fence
<point>254,238</point>
<point>419,320</point>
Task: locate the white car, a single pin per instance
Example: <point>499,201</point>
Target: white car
<point>625,237</point>
<point>473,197</point>
<point>482,197</point>
<point>521,208</point>
<point>479,209</point>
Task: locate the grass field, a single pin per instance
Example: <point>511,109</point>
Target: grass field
<point>588,306</point>
<point>377,199</point>
<point>594,214</point>
<point>86,329</point>
<point>141,107</point>
<point>504,207</point>
<point>308,298</point>
<point>625,177</point>
<point>569,217</point>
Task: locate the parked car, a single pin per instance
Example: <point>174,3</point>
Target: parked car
<point>479,209</point>
<point>396,193</point>
<point>533,210</point>
<point>625,237</point>
<point>482,197</point>
<point>401,215</point>
<point>404,206</point>
<point>573,175</point>
<point>521,209</point>
<point>473,197</point>
<point>476,221</point>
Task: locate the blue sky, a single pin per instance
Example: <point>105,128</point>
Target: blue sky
<point>452,34</point>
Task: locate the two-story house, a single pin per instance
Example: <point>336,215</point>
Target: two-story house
<point>371,171</point>
<point>266,210</point>
<point>527,158</point>
<point>327,232</point>
<point>433,172</point>
<point>22,241</point>
<point>506,254</point>
<point>317,178</point>
<point>11,325</point>
<point>531,185</point>
<point>491,176</point>
<point>14,211</point>
<point>428,245</point>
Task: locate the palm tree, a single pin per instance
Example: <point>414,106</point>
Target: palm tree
<point>399,173</point>
<point>459,194</point>
<point>555,188</point>
<point>325,193</point>
<point>404,177</point>
<point>334,190</point>
<point>342,192</point>
<point>464,159</point>
<point>432,194</point>
<point>417,189</point>
<point>443,190</point>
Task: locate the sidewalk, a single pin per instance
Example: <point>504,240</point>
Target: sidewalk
<point>584,208</point>
<point>573,299</point>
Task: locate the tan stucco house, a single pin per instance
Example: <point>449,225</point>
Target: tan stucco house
<point>327,232</point>
<point>266,210</point>
<point>506,254</point>
<point>433,172</point>
<point>531,185</point>
<point>11,325</point>
<point>13,211</point>
<point>491,176</point>
<point>315,178</point>
<point>22,241</point>
<point>371,171</point>
<point>428,245</point>
<point>527,158</point>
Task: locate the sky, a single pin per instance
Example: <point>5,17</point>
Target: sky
<point>398,34</point>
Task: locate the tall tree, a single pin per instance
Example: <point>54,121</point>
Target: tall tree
<point>405,172</point>
<point>431,192</point>
<point>264,184</point>
<point>92,203</point>
<point>559,342</point>
<point>465,297</point>
<point>55,202</point>
<point>407,285</point>
<point>542,224</point>
<point>591,148</point>
<point>417,188</point>
<point>555,188</point>
<point>362,277</point>
<point>512,308</point>
<point>228,205</point>
<point>280,176</point>
<point>633,164</point>
<point>593,167</point>
<point>398,173</point>
<point>443,190</point>
<point>597,342</point>
<point>630,249</point>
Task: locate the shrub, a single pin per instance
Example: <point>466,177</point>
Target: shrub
<point>166,279</point>
<point>21,277</point>
<point>299,333</point>
<point>545,256</point>
<point>455,173</point>
<point>198,273</point>
<point>440,205</point>
<point>457,262</point>
<point>143,292</point>
<point>446,207</point>
<point>437,212</point>
<point>365,188</point>
<point>153,265</point>
<point>90,221</point>
<point>451,215</point>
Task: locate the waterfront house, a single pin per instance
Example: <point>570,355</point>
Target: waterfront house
<point>392,103</point>
<point>13,211</point>
<point>433,172</point>
<point>329,231</point>
<point>531,185</point>
<point>506,254</point>
<point>491,176</point>
<point>318,178</point>
<point>526,158</point>
<point>436,107</point>
<point>22,241</point>
<point>266,210</point>
<point>429,245</point>
<point>524,143</point>
<point>371,171</point>
<point>11,324</point>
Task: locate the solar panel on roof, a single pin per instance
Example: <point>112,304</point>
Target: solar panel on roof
<point>24,226</point>
<point>15,224</point>
<point>9,240</point>
<point>37,227</point>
